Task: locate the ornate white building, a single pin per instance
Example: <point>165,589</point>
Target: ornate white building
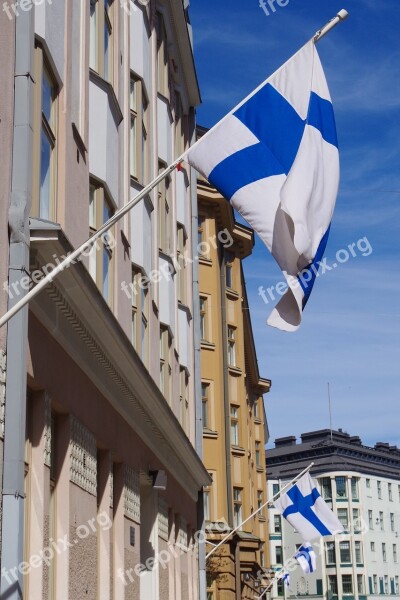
<point>362,486</point>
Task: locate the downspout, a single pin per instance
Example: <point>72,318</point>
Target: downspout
<point>12,539</point>
<point>227,407</point>
<point>197,367</point>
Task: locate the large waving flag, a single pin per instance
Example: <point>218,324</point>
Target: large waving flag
<point>276,159</point>
<point>307,512</point>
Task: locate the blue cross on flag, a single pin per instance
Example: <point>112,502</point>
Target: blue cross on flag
<point>307,512</point>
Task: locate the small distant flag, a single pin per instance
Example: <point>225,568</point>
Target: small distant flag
<point>286,579</point>
<point>276,160</point>
<point>307,558</point>
<point>307,512</point>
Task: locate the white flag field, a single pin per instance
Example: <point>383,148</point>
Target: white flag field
<point>307,512</point>
<point>275,159</point>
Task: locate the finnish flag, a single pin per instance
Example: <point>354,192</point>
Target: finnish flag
<point>307,512</point>
<point>286,579</point>
<point>307,558</point>
<point>276,159</point>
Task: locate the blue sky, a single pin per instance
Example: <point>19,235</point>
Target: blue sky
<point>350,335</point>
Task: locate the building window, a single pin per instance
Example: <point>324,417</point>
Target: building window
<point>372,546</point>
<point>237,506</point>
<point>390,492</point>
<point>275,489</point>
<point>347,584</point>
<point>330,553</point>
<point>370,520</point>
<point>205,388</point>
<point>280,588</point>
<point>180,137</point>
<point>258,454</point>
<point>277,524</point>
<point>260,502</point>
<point>354,488</point>
<point>45,133</point>
<point>396,584</point>
<point>164,212</point>
<point>231,346</point>
<point>229,270</point>
<point>165,363</point>
<point>234,426</point>
<point>368,483</point>
<point>379,489</point>
<point>358,551</point>
<point>384,558</point>
<point>356,519</point>
<point>203,318</point>
<point>345,556</point>
<point>392,521</point>
<point>101,53</point>
<point>206,501</point>
<point>343,517</point>
<point>333,586</point>
<point>101,256</point>
<point>278,555</point>
<point>326,488</point>
<point>360,584</point>
<point>341,491</point>
<point>381,520</point>
<point>262,558</point>
<point>140,311</point>
<point>162,56</point>
<point>200,234</point>
<point>398,489</point>
<point>386,584</point>
<point>181,262</point>
<point>183,398</point>
<point>395,553</point>
<point>256,411</point>
<point>139,150</point>
<point>375,582</point>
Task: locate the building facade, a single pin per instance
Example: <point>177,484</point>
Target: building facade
<point>362,486</point>
<point>234,421</point>
<point>98,380</point>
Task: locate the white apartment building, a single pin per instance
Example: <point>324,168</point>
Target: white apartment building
<point>362,486</point>
<point>99,377</point>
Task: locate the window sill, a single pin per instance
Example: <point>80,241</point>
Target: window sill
<point>235,371</point>
<point>238,451</point>
<point>210,434</point>
<point>232,294</point>
<point>207,345</point>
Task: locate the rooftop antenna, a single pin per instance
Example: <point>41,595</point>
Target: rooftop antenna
<point>330,410</point>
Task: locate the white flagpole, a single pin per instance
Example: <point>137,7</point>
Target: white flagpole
<point>259,509</point>
<point>72,258</point>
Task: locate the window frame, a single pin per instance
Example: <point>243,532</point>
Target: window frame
<point>237,506</point>
<point>166,363</point>
<point>234,425</point>
<point>43,127</point>
<point>231,342</point>
<point>138,130</point>
<point>102,60</point>
<point>164,211</point>
<point>101,248</point>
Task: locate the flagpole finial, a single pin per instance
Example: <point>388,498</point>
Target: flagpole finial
<point>341,16</point>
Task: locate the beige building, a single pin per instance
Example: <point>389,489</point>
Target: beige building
<point>98,379</point>
<point>234,421</point>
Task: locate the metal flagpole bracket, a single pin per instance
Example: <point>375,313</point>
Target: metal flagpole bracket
<point>341,16</point>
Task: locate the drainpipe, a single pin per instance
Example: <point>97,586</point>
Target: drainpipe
<point>227,406</point>
<point>197,368</point>
<point>12,539</point>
